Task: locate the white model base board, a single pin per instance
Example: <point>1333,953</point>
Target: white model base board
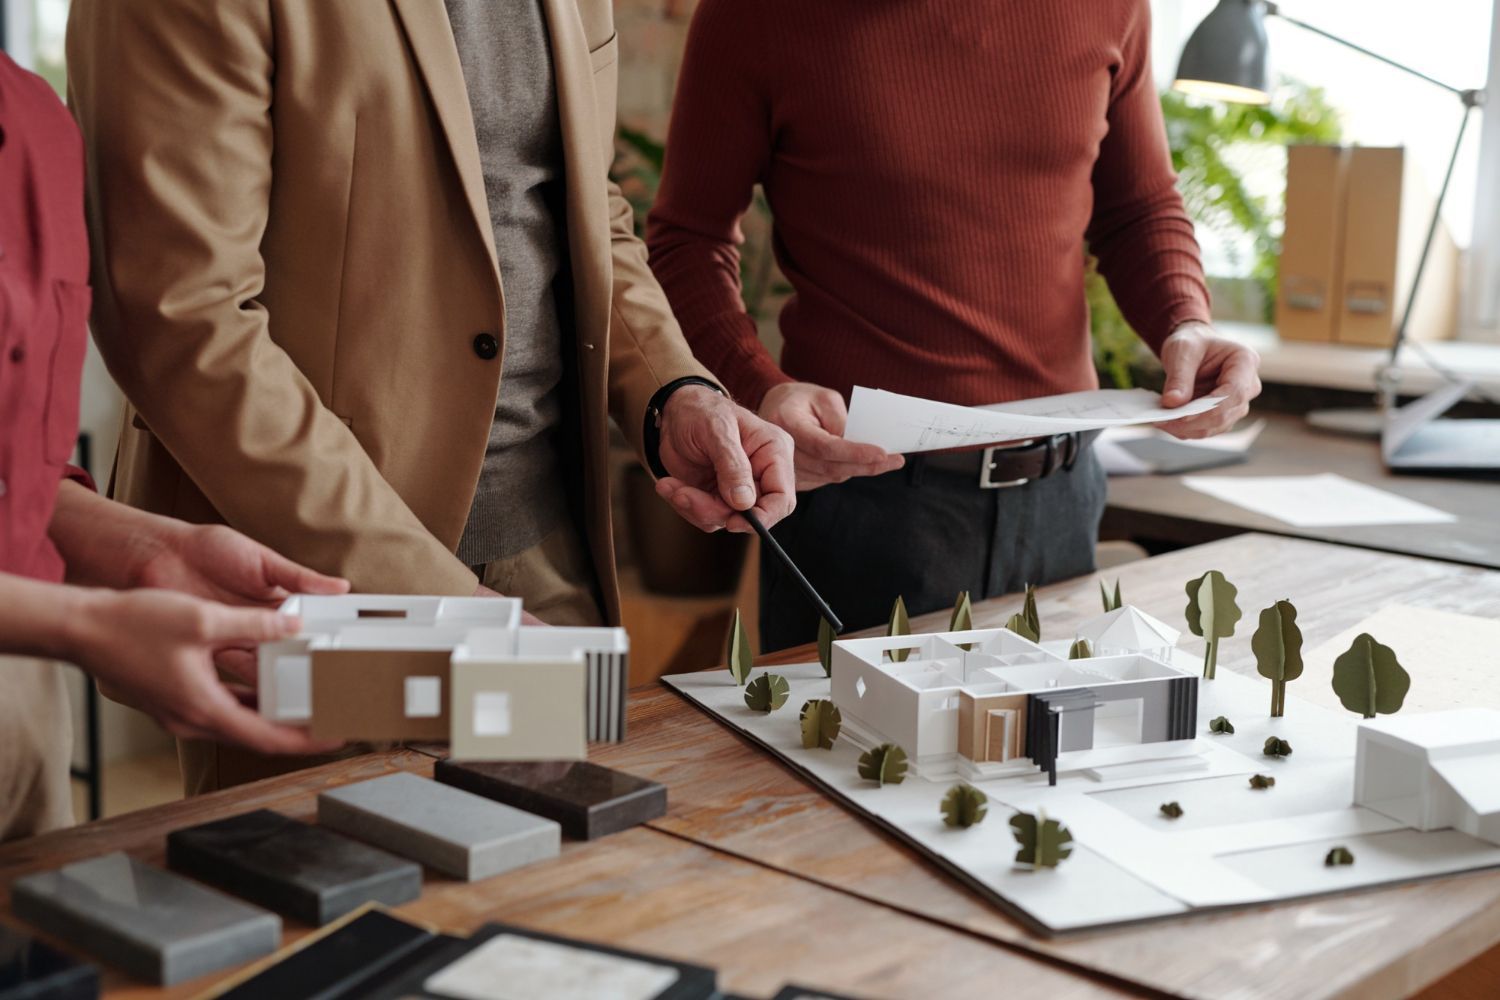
<point>1232,846</point>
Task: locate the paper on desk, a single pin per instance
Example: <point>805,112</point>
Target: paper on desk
<point>905,424</point>
<point>1118,458</point>
<point>1321,501</point>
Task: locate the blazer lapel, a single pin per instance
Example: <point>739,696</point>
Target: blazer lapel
<point>585,168</point>
<point>431,40</point>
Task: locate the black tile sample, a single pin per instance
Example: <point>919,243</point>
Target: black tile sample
<point>691,982</point>
<point>306,872</point>
<point>588,800</point>
<point>154,925</point>
<point>30,970</point>
<point>347,961</point>
<point>405,979</point>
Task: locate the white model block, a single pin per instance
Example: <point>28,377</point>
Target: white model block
<point>1433,770</point>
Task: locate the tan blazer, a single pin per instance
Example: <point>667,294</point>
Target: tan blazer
<point>293,257</point>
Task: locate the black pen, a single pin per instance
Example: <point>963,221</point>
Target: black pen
<point>786,560</point>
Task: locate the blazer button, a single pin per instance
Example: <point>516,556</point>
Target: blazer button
<point>486,346</point>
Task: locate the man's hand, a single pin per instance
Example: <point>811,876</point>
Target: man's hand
<point>220,564</point>
<point>815,418</point>
<point>722,459</point>
<point>154,650</point>
<point>1200,363</point>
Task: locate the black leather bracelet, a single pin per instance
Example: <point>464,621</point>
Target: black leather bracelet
<point>651,435</point>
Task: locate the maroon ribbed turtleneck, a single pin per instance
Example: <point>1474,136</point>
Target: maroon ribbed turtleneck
<point>935,168</point>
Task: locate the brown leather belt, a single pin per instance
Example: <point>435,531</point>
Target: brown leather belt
<point>1003,466</point>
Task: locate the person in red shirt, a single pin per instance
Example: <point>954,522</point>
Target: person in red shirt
<point>137,600</point>
<point>938,173</point>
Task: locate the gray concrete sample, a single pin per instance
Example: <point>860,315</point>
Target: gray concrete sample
<point>154,925</point>
<point>445,828</point>
<point>297,869</point>
<point>588,800</point>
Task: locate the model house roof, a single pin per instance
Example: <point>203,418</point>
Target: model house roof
<point>1128,628</point>
<point>1451,733</point>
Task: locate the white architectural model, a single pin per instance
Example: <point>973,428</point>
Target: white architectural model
<point>989,702</point>
<point>460,669</point>
<point>1433,771</point>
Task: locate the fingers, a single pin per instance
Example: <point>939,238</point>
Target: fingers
<point>814,437</point>
<point>771,460</point>
<point>231,722</point>
<point>297,579</point>
<point>239,663</point>
<point>1181,357</point>
<point>701,509</point>
<point>246,626</point>
<point>1238,382</point>
<point>813,472</point>
<point>736,479</point>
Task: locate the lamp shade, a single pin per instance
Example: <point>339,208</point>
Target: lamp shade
<point>1225,59</point>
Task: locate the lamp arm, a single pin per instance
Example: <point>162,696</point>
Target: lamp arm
<point>1274,9</point>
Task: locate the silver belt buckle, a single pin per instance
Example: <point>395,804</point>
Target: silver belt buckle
<point>987,467</point>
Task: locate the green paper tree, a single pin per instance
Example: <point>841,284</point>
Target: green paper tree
<point>740,656</point>
<point>1368,678</point>
<point>821,722</point>
<point>767,693</point>
<point>1033,620</point>
<point>1021,627</point>
<point>1212,614</point>
<point>1277,645</point>
<point>1111,603</point>
<point>1043,842</point>
<point>1080,650</point>
<point>1221,725</point>
<point>964,806</point>
<point>1276,747</point>
<point>1339,856</point>
<point>900,625</point>
<point>963,614</point>
<point>884,765</point>
<point>1171,810</point>
<point>826,635</point>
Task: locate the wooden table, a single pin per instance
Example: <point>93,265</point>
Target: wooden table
<point>758,874</point>
<point>1157,510</point>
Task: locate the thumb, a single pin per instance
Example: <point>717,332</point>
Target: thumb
<point>1181,358</point>
<point>732,469</point>
<point>249,625</point>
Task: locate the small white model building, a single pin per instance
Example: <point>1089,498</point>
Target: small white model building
<point>1433,770</point>
<point>989,702</point>
<point>1127,630</point>
<point>458,669</point>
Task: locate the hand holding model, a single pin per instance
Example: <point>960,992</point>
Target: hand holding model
<point>722,459</point>
<point>815,417</point>
<point>1199,362</point>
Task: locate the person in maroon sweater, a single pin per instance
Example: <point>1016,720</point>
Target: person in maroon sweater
<point>937,173</point>
<point>143,606</point>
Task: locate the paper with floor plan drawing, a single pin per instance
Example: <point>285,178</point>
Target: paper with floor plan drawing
<point>906,424</point>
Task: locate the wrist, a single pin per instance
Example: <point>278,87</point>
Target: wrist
<point>82,613</point>
<point>656,410</point>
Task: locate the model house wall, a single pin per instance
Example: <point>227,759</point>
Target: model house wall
<point>464,670</point>
<point>990,701</point>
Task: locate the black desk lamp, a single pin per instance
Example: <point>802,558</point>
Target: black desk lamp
<point>1225,59</point>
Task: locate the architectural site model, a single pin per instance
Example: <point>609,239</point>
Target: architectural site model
<point>457,669</point>
<point>1109,776</point>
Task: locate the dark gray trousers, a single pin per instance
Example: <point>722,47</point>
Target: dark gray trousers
<point>926,534</point>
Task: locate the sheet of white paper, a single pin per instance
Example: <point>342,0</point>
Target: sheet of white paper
<point>908,424</point>
<point>1321,501</point>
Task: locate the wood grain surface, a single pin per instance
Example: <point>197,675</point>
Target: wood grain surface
<point>1387,943</point>
<point>643,889</point>
<point>1162,509</point>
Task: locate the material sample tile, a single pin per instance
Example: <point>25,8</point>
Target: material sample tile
<point>588,800</point>
<point>30,970</point>
<point>509,963</point>
<point>453,831</point>
<point>343,960</point>
<point>154,925</point>
<point>306,872</point>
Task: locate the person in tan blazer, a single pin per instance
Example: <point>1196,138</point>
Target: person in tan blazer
<point>294,211</point>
